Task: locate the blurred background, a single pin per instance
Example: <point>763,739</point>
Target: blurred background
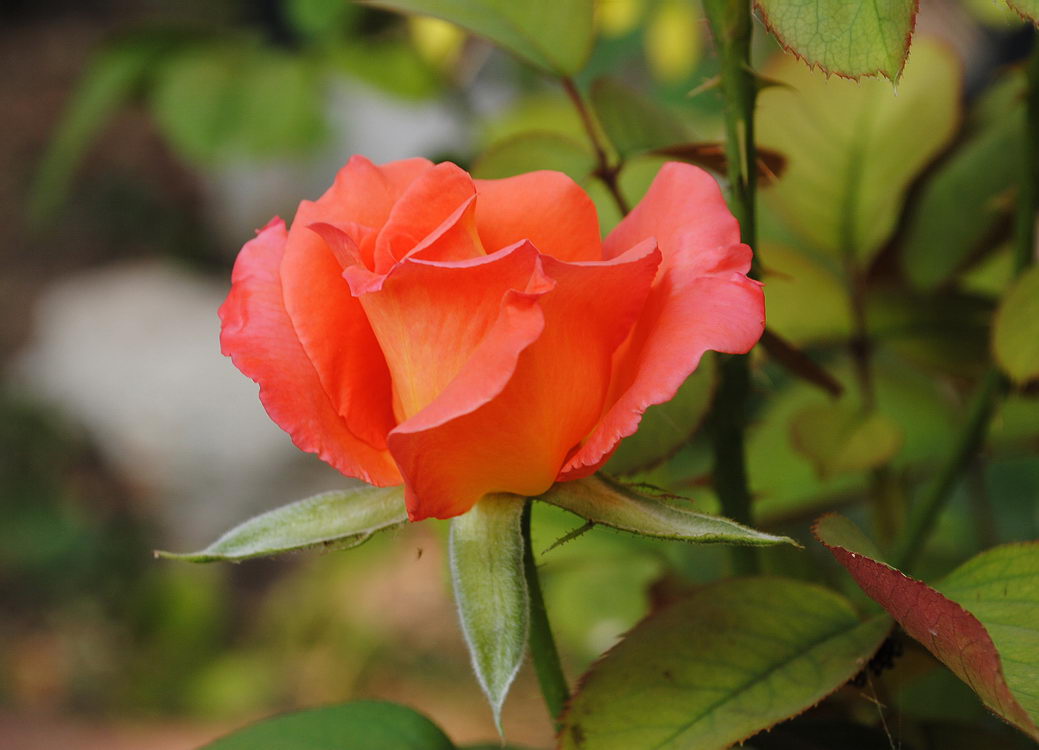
<point>141,144</point>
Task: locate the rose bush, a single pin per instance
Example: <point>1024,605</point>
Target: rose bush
<point>466,336</point>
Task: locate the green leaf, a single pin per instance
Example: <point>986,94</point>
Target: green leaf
<point>838,438</point>
<point>195,99</point>
<point>537,150</point>
<point>632,121</point>
<point>111,78</point>
<point>281,105</point>
<point>555,35</point>
<point>486,553</point>
<point>343,518</point>
<point>1001,588</point>
<point>216,101</point>
<point>374,725</point>
<point>721,665</point>
<point>665,427</point>
<point>1015,334</point>
<point>964,199</point>
<point>989,604</point>
<point>844,183</point>
<point>851,39</point>
<point>792,277</point>
<point>604,501</point>
<point>1028,9</point>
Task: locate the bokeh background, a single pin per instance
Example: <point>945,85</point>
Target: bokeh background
<point>141,143</point>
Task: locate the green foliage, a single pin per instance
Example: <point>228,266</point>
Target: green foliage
<point>373,725</point>
<point>791,277</point>
<point>839,439</point>
<point>852,39</point>
<point>633,122</point>
<point>217,100</point>
<point>604,501</point>
<point>666,427</point>
<point>1015,336</point>
<point>338,519</point>
<point>114,76</point>
<point>718,666</point>
<point>555,35</point>
<point>844,183</point>
<point>536,150</point>
<point>980,621</point>
<point>1028,9</point>
<point>486,552</point>
<point>961,203</point>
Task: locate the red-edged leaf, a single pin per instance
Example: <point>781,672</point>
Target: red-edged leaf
<point>954,635</point>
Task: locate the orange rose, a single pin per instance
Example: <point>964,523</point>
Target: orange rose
<point>466,336</point>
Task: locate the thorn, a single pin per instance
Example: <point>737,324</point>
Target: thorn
<point>570,536</point>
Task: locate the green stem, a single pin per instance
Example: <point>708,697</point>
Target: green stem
<point>543,650</point>
<point>993,385</point>
<point>605,171</point>
<point>926,512</point>
<point>727,422</point>
<point>731,24</point>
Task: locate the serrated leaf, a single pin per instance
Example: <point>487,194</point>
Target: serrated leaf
<point>838,438</point>
<point>486,555</point>
<point>719,666</point>
<point>844,184</point>
<point>851,39</point>
<point>376,724</point>
<point>1001,588</point>
<point>604,501</point>
<point>988,604</point>
<point>632,121</point>
<point>536,150</point>
<point>665,427</point>
<point>964,199</point>
<point>1028,9</point>
<point>555,35</point>
<point>1015,333</point>
<point>343,518</point>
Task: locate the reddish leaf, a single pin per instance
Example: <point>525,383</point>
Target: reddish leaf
<point>955,636</point>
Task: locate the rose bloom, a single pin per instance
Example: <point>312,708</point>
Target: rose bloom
<point>460,337</point>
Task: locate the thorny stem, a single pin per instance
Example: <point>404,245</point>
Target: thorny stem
<point>994,384</point>
<point>605,171</point>
<point>543,650</point>
<point>731,25</point>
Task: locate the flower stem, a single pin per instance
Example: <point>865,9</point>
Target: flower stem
<point>605,171</point>
<point>543,650</point>
<point>993,385</point>
<point>732,28</point>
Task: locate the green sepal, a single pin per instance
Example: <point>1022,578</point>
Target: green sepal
<point>486,556</point>
<point>601,500</point>
<point>340,519</point>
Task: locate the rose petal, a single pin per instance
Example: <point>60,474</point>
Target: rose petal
<point>702,300</point>
<point>364,194</point>
<point>429,317</point>
<point>330,323</point>
<point>684,209</point>
<point>547,208</point>
<point>431,204</point>
<point>258,336</point>
<point>686,314</point>
<point>523,402</point>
